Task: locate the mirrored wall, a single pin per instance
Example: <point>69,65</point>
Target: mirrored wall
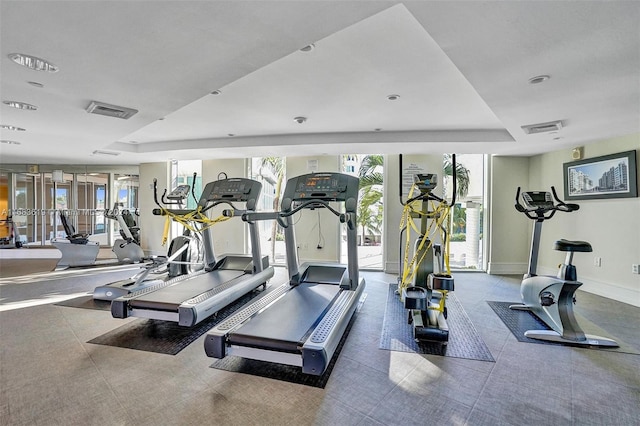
<point>33,198</point>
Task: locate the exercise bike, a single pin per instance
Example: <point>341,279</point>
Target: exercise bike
<point>127,247</point>
<point>550,298</point>
<point>423,290</point>
<point>12,235</point>
<point>76,248</point>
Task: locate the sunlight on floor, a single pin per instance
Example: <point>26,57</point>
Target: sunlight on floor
<point>45,300</point>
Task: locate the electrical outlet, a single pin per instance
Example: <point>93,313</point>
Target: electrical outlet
<point>635,268</point>
<point>597,261</point>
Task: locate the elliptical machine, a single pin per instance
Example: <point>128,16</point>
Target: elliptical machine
<point>184,256</point>
<point>551,298</point>
<point>424,291</point>
<point>186,251</point>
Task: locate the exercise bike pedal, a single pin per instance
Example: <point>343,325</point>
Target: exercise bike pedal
<point>547,299</point>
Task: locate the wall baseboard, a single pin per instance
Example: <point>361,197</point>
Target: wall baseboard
<point>495,268</point>
<point>611,291</point>
<point>391,268</point>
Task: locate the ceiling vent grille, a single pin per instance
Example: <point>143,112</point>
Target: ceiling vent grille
<point>101,108</point>
<point>551,126</point>
<point>101,152</point>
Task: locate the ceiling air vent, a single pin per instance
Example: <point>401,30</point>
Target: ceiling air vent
<point>551,126</point>
<point>101,152</point>
<point>101,108</point>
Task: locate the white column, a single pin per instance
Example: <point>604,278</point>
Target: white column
<point>472,245</point>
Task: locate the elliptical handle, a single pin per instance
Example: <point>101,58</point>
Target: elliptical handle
<point>455,180</point>
<point>519,206</point>
<point>162,197</point>
<point>155,192</point>
<point>193,187</point>
<point>400,180</point>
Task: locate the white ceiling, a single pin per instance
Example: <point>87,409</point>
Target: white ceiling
<point>460,67</point>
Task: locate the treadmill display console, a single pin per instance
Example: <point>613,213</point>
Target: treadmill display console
<point>321,186</point>
<point>237,189</point>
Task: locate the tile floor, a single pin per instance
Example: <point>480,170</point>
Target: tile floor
<point>49,375</point>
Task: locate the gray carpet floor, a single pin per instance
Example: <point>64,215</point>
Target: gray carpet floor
<point>50,374</point>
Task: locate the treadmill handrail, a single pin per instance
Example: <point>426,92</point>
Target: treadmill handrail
<point>278,215</point>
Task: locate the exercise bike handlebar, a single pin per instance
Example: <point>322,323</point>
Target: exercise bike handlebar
<point>546,211</point>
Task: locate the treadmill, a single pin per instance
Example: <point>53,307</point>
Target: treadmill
<point>301,322</point>
<point>199,295</point>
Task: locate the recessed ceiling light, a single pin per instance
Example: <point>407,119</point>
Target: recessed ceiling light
<point>377,129</point>
<point>33,62</point>
<point>20,105</point>
<point>9,142</point>
<point>231,134</point>
<point>36,84</point>
<point>9,127</point>
<point>393,97</point>
<point>300,120</point>
<point>216,92</point>
<point>539,79</point>
<point>308,48</point>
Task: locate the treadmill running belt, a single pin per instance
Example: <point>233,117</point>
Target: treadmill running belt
<point>284,324</point>
<point>169,298</point>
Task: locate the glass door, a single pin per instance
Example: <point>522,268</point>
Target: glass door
<point>467,216</point>
<point>26,217</point>
<point>370,170</point>
<point>271,172</point>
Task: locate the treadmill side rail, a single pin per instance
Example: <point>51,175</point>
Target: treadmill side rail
<point>215,344</point>
<point>319,348</point>
<point>195,310</point>
<point>120,306</point>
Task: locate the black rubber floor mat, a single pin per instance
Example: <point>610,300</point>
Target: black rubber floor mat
<point>520,321</point>
<point>165,337</point>
<point>86,302</point>
<point>464,340</point>
<point>286,373</point>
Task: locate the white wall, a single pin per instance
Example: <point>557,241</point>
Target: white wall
<point>612,226</point>
<point>229,236</point>
<point>151,227</point>
<point>308,221</point>
<point>509,231</point>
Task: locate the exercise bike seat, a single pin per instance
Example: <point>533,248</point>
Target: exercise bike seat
<point>566,245</point>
